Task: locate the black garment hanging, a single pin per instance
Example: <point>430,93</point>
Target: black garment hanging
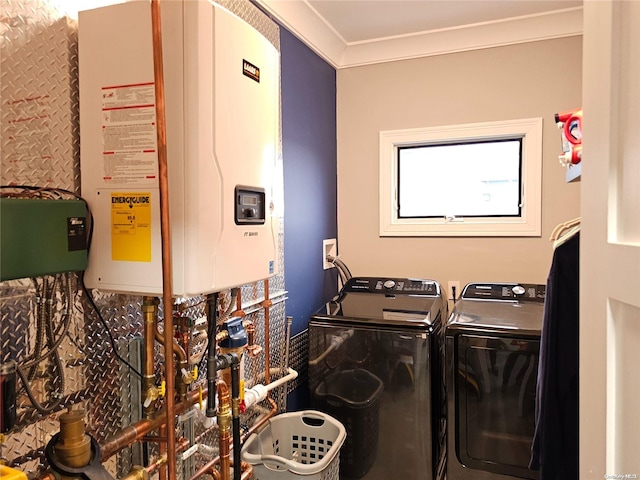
<point>555,444</point>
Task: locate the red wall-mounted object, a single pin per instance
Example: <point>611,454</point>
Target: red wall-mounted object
<point>570,123</point>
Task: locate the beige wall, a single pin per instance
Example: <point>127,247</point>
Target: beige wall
<point>519,81</point>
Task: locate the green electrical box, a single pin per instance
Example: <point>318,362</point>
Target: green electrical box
<point>42,237</point>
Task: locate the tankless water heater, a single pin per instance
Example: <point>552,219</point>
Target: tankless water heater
<point>222,86</point>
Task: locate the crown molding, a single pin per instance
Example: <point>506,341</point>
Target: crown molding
<point>303,21</point>
<point>300,19</point>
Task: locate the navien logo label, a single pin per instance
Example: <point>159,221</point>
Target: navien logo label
<point>251,71</point>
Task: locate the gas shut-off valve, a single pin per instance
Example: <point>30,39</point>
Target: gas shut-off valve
<point>153,393</point>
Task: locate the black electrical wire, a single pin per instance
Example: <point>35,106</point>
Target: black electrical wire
<point>106,327</point>
<point>36,192</point>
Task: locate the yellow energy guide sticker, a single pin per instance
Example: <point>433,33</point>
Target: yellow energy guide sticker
<point>131,226</point>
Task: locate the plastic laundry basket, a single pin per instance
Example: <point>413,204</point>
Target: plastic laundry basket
<point>296,445</point>
<point>353,397</point>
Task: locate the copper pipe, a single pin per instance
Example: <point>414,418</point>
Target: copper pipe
<point>210,466</point>
<point>252,347</point>
<point>177,349</point>
<point>134,432</point>
<point>181,360</point>
<point>150,314</point>
<point>247,470</point>
<point>185,336</point>
<point>162,450</point>
<point>154,438</point>
<point>267,342</point>
<point>182,445</point>
<point>224,426</point>
<point>256,426</point>
<point>238,312</point>
<point>165,228</point>
<point>150,317</point>
<point>239,301</point>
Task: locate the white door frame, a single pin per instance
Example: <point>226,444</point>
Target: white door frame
<point>610,242</point>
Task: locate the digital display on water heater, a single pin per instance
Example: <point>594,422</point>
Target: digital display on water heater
<point>250,206</point>
<point>247,200</point>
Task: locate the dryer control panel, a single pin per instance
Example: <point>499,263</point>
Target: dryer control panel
<point>385,285</point>
<point>522,292</point>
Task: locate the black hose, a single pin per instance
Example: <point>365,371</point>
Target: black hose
<point>343,266</point>
<point>235,400</point>
<point>212,314</point>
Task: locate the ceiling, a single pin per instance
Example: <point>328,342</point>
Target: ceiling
<point>348,33</point>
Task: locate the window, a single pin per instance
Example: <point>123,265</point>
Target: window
<point>463,180</point>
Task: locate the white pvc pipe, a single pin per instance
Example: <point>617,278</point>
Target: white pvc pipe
<point>292,375</point>
<point>258,392</point>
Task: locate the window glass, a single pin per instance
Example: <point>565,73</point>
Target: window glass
<point>460,180</point>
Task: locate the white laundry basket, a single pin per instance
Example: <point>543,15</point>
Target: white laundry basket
<point>296,445</point>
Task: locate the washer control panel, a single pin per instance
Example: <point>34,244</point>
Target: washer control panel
<point>383,285</point>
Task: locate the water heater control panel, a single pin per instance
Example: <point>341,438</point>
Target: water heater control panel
<point>250,206</point>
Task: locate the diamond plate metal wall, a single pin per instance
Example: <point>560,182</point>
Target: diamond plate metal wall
<point>254,17</point>
<point>39,139</point>
<point>39,97</point>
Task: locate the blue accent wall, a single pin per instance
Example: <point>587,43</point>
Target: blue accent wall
<point>310,180</point>
<point>310,184</point>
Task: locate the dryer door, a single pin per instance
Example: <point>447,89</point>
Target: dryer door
<point>495,389</point>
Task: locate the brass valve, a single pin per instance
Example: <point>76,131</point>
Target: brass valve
<point>74,446</point>
<point>153,393</point>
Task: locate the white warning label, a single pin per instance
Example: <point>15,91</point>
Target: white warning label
<point>129,139</point>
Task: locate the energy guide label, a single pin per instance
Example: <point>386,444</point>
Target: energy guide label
<point>129,142</point>
<point>131,226</point>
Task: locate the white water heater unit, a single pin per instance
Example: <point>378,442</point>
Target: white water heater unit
<point>222,84</point>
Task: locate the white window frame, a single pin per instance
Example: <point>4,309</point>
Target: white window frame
<point>528,224</point>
